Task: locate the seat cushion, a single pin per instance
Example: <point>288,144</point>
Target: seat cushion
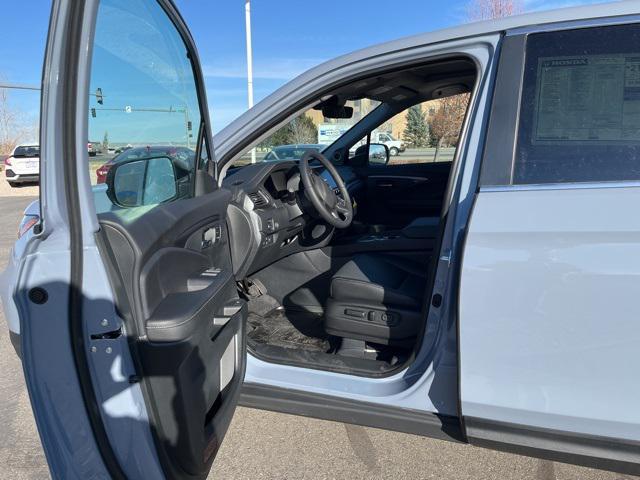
<point>381,279</point>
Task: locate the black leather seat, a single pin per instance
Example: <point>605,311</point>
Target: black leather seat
<point>377,298</point>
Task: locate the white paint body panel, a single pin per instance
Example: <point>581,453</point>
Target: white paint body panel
<point>550,309</point>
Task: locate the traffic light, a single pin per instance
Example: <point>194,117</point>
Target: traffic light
<point>99,97</point>
<point>93,112</point>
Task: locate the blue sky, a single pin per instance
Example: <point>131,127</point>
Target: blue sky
<point>289,36</point>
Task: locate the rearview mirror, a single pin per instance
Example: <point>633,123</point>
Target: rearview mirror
<point>378,154</point>
<point>142,182</point>
<point>337,111</point>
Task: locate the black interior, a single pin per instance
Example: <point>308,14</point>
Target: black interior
<point>185,320</point>
<point>346,300</point>
<point>352,299</point>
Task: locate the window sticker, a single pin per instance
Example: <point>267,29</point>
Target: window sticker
<point>590,98</point>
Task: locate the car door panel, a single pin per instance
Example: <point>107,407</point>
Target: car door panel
<point>557,296</point>
<point>398,194</point>
<point>550,269</point>
<point>190,337</point>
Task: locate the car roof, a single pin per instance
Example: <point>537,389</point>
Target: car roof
<point>475,29</point>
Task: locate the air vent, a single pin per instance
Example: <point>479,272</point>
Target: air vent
<point>259,199</point>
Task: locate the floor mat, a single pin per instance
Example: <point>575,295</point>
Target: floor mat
<point>274,328</point>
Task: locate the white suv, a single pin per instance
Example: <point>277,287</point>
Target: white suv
<point>23,165</point>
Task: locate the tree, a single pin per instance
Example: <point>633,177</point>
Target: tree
<point>488,9</point>
<point>303,130</point>
<point>416,133</point>
<point>14,126</point>
<point>297,131</point>
<point>105,142</point>
<point>446,123</point>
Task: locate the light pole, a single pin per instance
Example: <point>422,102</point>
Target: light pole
<point>247,21</point>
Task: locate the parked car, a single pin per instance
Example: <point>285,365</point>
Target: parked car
<point>23,165</point>
<point>182,155</point>
<point>122,148</point>
<point>490,300</point>
<point>291,152</point>
<point>94,148</point>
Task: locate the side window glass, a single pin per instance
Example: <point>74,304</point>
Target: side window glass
<point>424,133</point>
<point>144,114</point>
<point>580,107</point>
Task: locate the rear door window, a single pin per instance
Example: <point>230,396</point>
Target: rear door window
<point>580,107</point>
<point>27,152</point>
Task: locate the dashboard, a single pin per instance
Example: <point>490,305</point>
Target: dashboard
<point>269,216</point>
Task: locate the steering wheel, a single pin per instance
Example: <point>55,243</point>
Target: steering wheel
<point>335,209</point>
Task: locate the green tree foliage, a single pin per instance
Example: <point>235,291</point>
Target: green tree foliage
<point>416,133</point>
<point>297,131</point>
<point>105,141</point>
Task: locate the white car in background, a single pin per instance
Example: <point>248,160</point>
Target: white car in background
<point>23,165</point>
<point>94,148</point>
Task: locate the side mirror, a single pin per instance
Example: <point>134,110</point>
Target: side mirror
<point>378,154</point>
<point>141,182</point>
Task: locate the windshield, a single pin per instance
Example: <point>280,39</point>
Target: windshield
<point>310,130</point>
<point>27,151</point>
<point>295,152</point>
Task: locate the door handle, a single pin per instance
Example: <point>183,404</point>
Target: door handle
<point>210,236</point>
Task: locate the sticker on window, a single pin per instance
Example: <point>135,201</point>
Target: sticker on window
<point>589,98</point>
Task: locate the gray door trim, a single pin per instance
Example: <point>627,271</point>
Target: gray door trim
<point>622,456</point>
<point>325,407</point>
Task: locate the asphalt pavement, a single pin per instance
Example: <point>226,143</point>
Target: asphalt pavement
<point>269,445</point>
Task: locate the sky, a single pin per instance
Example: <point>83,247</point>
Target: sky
<point>289,36</point>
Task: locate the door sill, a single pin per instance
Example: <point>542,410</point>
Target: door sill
<point>326,407</point>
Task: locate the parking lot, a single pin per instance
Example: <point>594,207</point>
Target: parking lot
<point>270,445</point>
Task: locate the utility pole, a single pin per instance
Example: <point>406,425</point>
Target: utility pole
<point>247,21</point>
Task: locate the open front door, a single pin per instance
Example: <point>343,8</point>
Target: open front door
<point>154,337</point>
